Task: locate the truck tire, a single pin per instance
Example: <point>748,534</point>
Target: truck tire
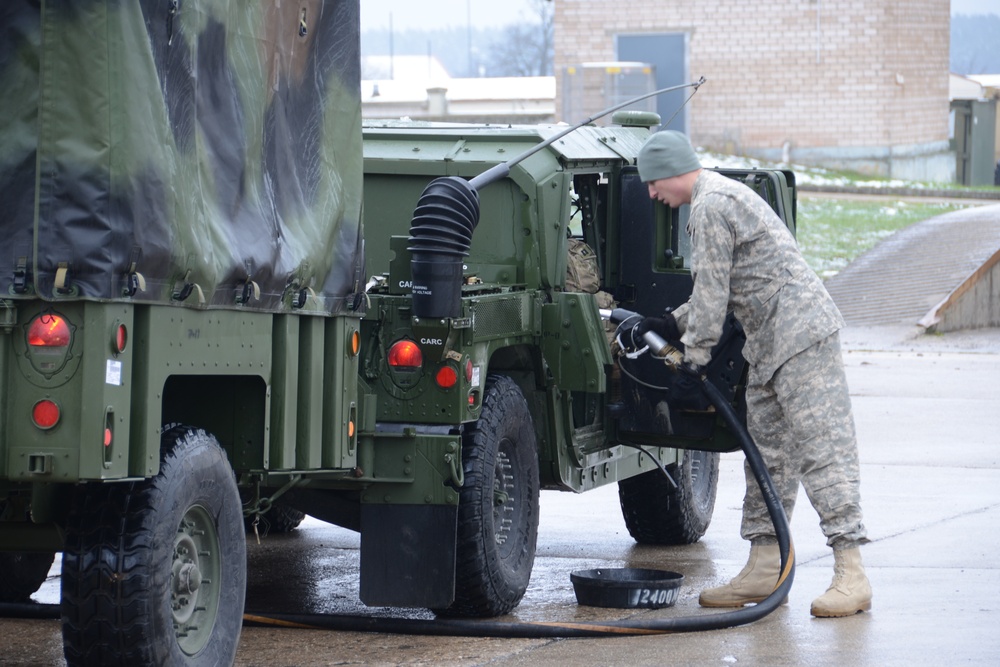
<point>498,505</point>
<point>154,572</point>
<point>657,513</point>
<point>22,573</point>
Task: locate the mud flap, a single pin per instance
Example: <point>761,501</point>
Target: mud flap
<point>408,555</point>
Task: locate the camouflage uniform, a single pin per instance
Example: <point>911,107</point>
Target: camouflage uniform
<point>744,259</point>
<point>584,275</point>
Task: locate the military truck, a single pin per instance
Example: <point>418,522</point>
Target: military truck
<point>197,331</point>
<point>512,369</point>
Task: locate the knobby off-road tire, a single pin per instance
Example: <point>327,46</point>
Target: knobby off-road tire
<point>657,513</point>
<point>154,572</point>
<point>22,573</point>
<point>498,506</point>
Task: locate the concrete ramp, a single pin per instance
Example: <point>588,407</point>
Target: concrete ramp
<point>942,273</point>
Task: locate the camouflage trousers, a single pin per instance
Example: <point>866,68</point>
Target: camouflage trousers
<point>801,421</point>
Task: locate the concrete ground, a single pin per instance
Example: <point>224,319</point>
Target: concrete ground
<point>928,416</point>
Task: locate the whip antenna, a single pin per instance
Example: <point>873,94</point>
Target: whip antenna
<point>502,170</point>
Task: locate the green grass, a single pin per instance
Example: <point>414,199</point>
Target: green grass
<point>833,232</point>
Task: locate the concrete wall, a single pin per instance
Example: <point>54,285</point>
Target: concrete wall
<point>861,82</point>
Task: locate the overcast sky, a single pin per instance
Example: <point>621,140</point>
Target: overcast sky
<point>413,14</point>
<point>417,15</point>
<point>975,6</point>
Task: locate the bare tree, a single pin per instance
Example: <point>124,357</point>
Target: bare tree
<point>526,48</point>
<point>973,44</point>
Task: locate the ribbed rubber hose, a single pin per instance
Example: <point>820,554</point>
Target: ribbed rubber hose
<point>490,628</point>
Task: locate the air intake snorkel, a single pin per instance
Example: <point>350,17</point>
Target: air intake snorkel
<point>447,214</point>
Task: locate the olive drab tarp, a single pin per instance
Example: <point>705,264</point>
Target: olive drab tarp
<point>160,150</point>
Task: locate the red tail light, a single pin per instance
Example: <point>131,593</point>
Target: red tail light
<point>45,414</point>
<point>120,339</point>
<point>446,377</point>
<point>48,330</point>
<point>405,354</point>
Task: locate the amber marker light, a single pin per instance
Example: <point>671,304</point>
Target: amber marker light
<point>354,344</point>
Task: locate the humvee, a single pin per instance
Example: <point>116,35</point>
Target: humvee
<point>214,306</point>
<point>522,364</point>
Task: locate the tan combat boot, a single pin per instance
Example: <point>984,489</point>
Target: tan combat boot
<point>850,592</point>
<point>754,583</point>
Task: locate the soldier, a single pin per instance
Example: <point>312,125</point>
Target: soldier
<point>744,259</point>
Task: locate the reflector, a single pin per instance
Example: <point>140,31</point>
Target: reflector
<point>45,414</point>
<point>121,339</point>
<point>446,377</point>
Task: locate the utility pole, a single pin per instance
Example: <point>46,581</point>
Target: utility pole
<point>468,23</point>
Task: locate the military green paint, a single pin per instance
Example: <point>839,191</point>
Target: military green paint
<point>553,343</point>
<point>84,389</point>
<point>156,170</point>
<point>214,148</point>
<point>576,357</point>
<point>198,177</point>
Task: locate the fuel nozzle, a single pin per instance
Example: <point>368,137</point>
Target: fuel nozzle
<point>631,341</point>
<point>619,315</point>
<point>663,349</point>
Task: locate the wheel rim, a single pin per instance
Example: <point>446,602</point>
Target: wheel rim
<point>504,498</point>
<point>701,481</point>
<point>194,593</point>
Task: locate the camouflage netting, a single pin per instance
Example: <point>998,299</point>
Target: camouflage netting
<point>202,148</point>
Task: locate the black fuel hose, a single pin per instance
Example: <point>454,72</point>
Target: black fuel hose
<point>28,610</point>
<point>492,628</point>
<point>629,627</point>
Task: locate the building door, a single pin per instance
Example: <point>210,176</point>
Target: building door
<point>668,53</point>
<point>974,133</point>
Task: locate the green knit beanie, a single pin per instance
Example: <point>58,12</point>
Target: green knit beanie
<point>666,154</point>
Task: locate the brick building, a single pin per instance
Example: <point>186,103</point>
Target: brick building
<point>858,84</point>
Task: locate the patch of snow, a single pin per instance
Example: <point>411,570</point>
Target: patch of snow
<point>804,175</point>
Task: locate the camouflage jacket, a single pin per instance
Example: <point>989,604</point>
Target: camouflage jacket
<point>744,259</point>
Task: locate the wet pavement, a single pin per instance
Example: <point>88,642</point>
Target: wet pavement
<point>928,415</point>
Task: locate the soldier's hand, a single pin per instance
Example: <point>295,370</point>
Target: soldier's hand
<point>686,392</point>
<point>665,327</point>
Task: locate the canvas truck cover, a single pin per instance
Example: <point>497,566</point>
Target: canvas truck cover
<point>164,150</point>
